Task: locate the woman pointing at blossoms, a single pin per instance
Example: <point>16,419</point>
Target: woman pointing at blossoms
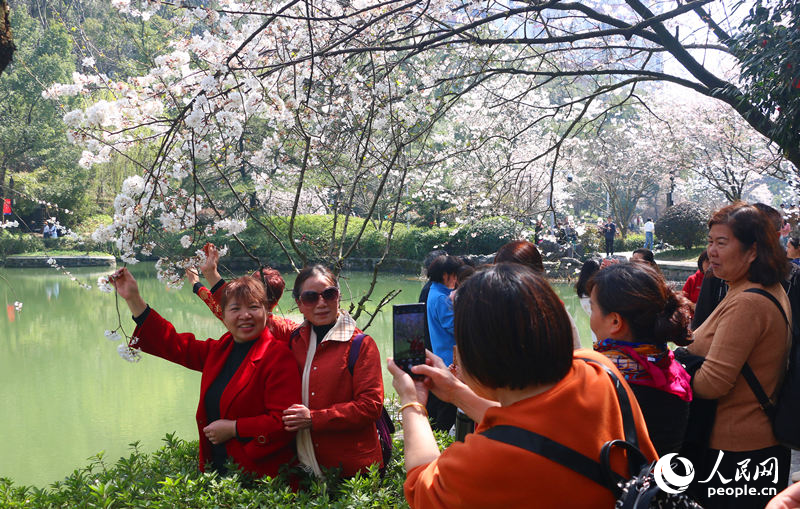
<point>248,379</point>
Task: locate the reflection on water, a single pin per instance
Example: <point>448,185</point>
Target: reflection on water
<point>66,395</point>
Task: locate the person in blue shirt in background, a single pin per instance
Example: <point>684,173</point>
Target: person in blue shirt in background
<point>443,276</point>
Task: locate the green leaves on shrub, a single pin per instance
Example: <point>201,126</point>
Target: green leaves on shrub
<point>313,235</point>
<point>684,224</point>
<point>16,243</point>
<point>169,478</point>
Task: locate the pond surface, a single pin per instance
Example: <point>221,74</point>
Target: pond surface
<point>65,394</point>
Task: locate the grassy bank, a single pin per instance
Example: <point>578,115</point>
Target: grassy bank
<point>65,252</point>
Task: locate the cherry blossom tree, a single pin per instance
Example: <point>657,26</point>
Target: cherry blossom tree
<point>261,110</point>
<point>718,146</point>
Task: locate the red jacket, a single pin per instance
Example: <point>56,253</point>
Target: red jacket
<point>265,384</point>
<point>691,289</point>
<point>343,407</point>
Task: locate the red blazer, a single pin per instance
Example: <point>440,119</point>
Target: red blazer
<point>265,384</point>
<point>343,407</point>
<point>691,289</point>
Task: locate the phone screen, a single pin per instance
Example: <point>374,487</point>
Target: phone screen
<point>409,330</point>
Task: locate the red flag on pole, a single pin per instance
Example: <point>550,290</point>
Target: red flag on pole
<point>7,206</point>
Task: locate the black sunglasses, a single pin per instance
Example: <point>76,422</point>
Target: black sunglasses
<point>309,297</point>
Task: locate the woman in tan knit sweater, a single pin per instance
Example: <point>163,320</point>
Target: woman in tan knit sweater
<point>746,327</point>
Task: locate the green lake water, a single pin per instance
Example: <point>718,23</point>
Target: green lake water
<point>65,394</point>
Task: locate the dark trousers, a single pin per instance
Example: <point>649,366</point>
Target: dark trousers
<point>609,246</point>
<point>442,414</point>
<point>728,490</point>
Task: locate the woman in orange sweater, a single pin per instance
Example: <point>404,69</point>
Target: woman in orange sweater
<point>528,367</point>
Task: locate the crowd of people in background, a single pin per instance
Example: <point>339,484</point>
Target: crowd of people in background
<point>504,353</point>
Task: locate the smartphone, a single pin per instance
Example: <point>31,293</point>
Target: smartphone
<point>409,334</point>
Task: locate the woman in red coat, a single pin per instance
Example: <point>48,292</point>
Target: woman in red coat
<point>248,379</point>
<point>691,289</point>
<point>335,423</point>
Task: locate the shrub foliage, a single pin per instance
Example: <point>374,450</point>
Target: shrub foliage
<point>169,478</point>
<point>683,224</point>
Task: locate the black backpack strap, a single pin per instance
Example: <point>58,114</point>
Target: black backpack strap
<point>747,371</point>
<point>758,390</point>
<point>770,297</point>
<point>355,349</point>
<point>628,423</point>
<point>550,449</point>
<point>601,473</point>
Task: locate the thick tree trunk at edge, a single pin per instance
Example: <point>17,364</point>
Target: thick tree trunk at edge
<point>6,41</point>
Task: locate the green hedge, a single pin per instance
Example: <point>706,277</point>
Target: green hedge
<point>17,243</point>
<point>313,233</point>
<point>631,242</point>
<point>169,478</point>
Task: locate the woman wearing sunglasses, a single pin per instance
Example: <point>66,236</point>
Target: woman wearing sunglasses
<point>335,424</point>
<point>336,420</point>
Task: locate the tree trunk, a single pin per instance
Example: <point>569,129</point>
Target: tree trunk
<point>6,41</point>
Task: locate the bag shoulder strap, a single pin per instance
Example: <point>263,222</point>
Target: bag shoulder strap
<point>355,349</point>
<point>747,372</point>
<point>600,473</point>
<point>628,423</point>
<point>550,449</point>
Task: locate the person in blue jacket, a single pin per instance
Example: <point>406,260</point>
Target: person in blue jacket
<point>443,276</point>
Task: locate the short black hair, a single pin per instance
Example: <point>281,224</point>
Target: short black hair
<point>511,328</point>
<point>588,269</point>
<point>702,258</point>
<point>772,214</point>
<point>436,253</point>
<point>442,265</point>
<point>647,255</point>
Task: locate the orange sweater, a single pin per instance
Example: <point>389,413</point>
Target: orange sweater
<point>581,412</point>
